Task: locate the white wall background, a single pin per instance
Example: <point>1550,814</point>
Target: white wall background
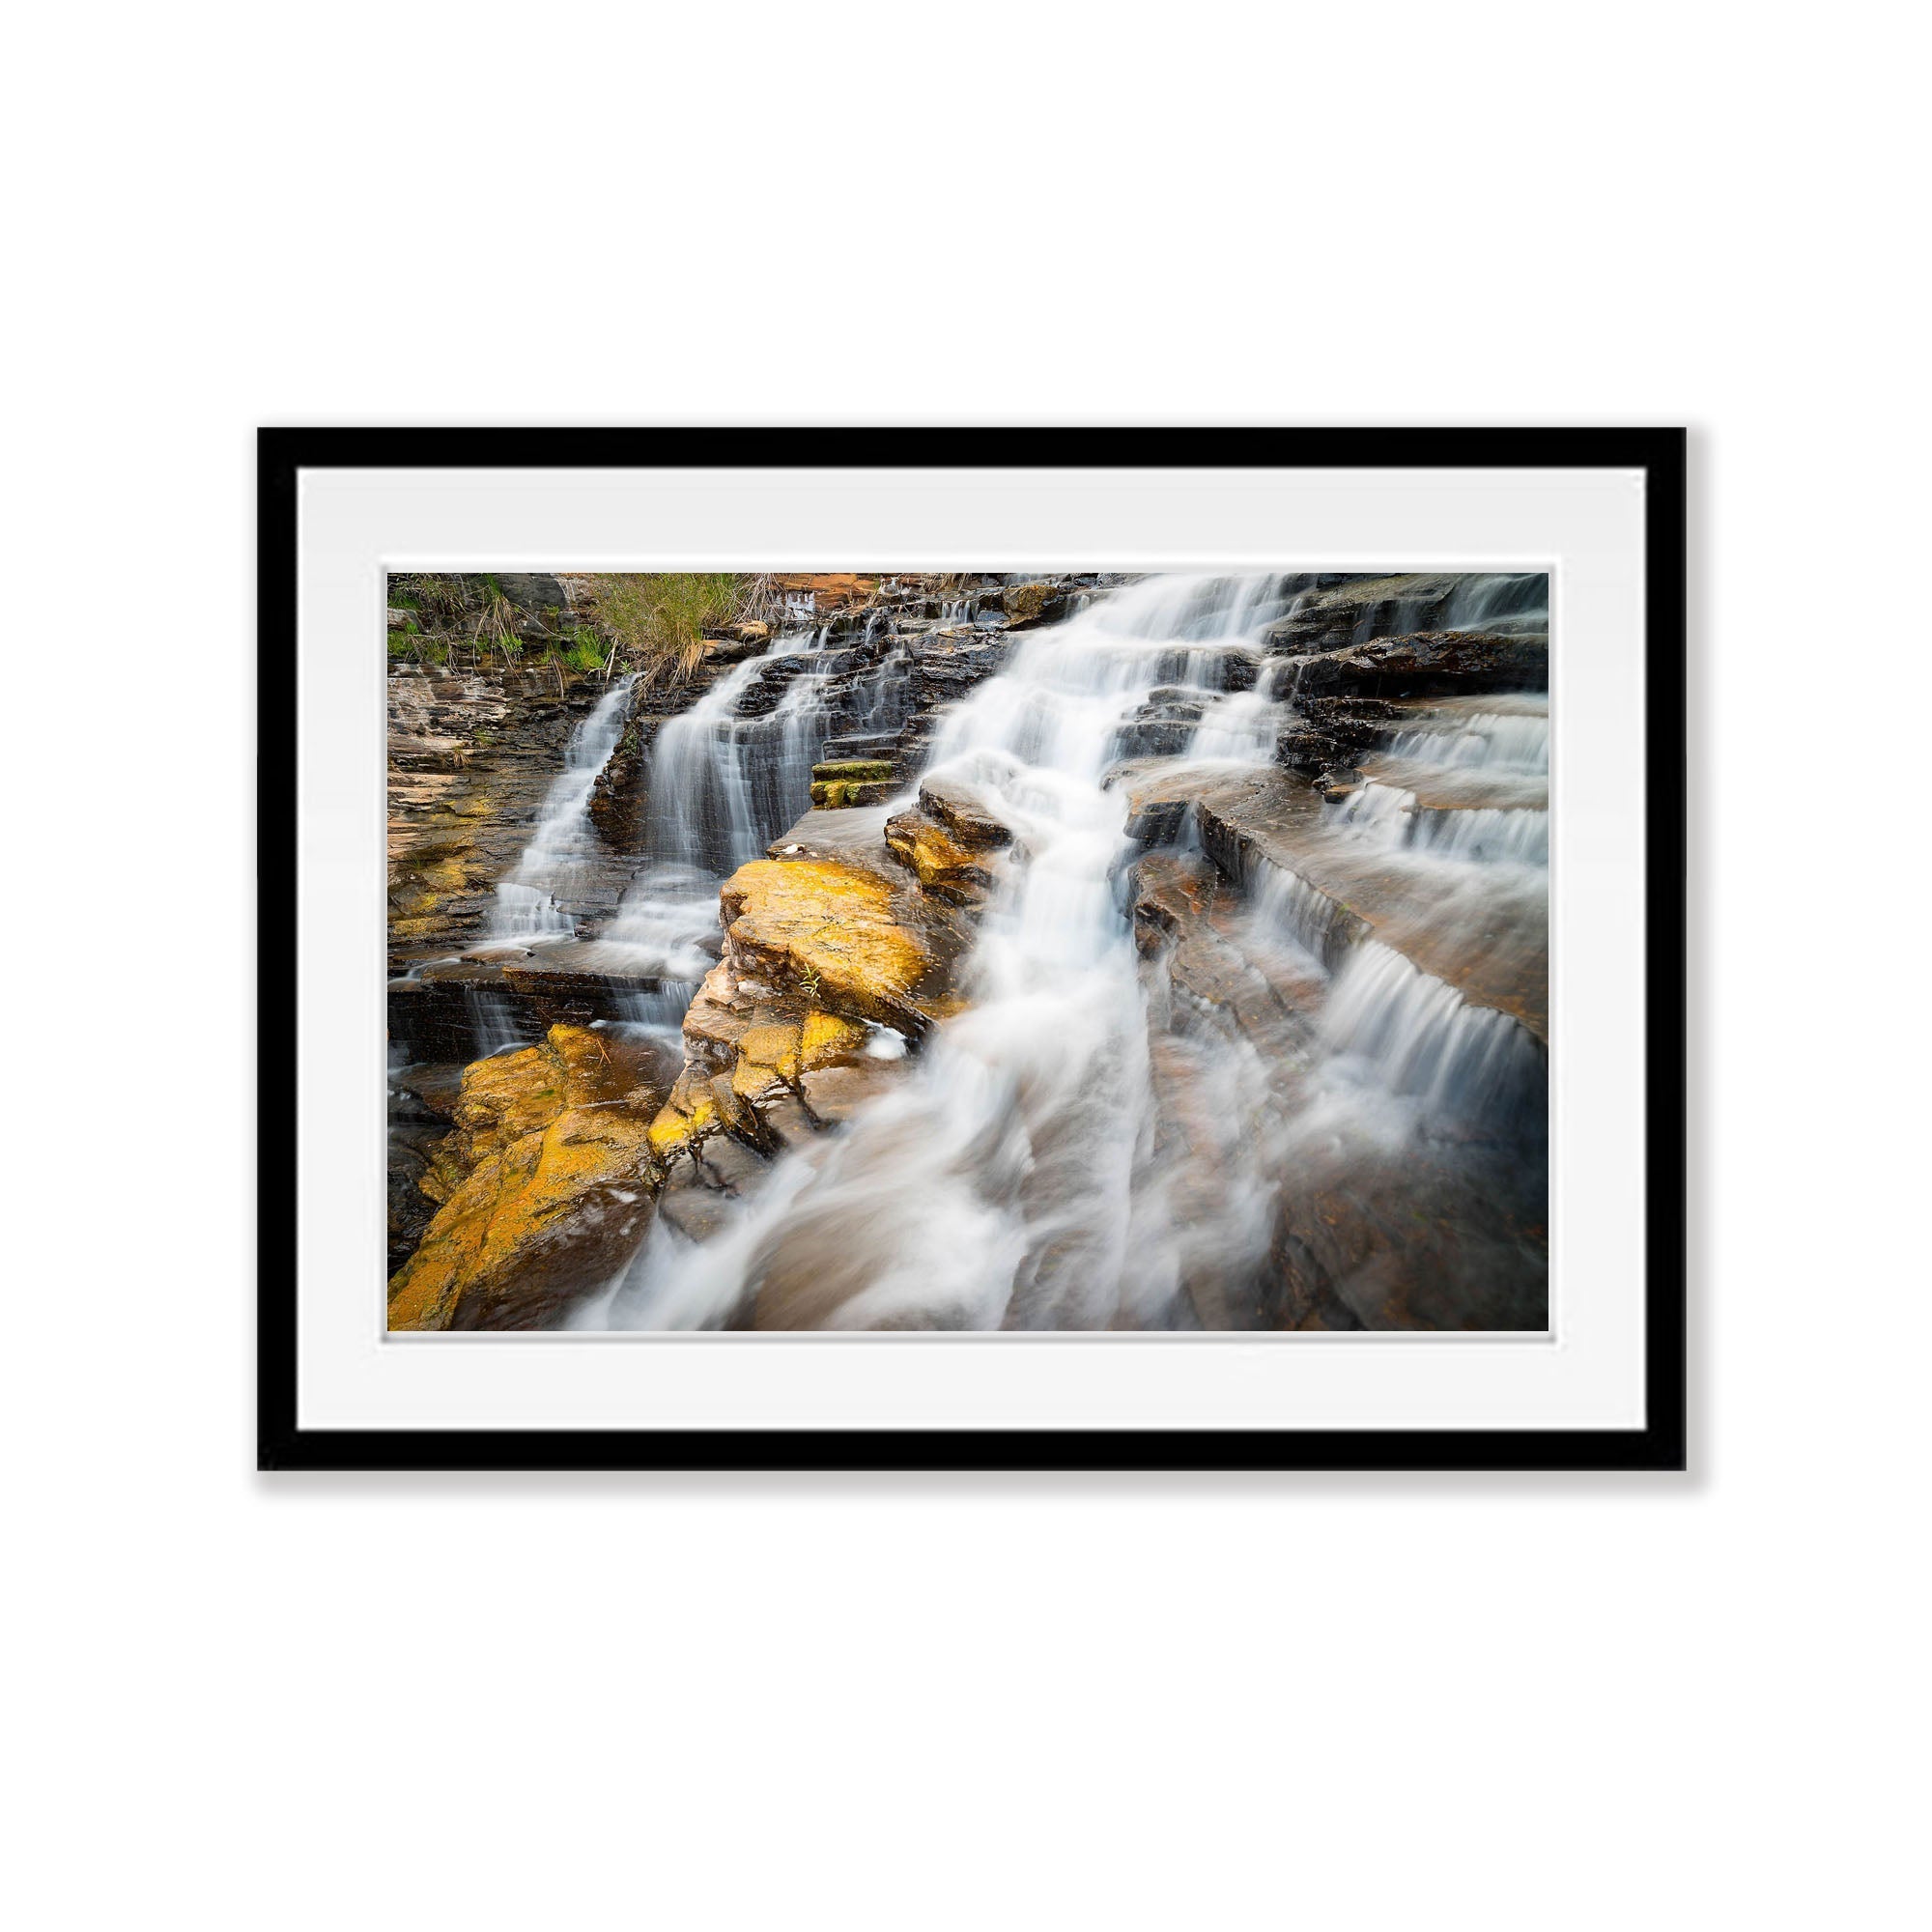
<point>1351,1703</point>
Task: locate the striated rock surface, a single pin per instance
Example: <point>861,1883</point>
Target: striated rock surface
<point>1428,664</point>
<point>1337,612</point>
<point>471,758</point>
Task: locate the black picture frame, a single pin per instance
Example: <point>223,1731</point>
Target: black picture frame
<point>1659,1444</point>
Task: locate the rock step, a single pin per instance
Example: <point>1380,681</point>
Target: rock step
<point>1264,828</point>
<point>881,745</point>
<point>436,1015</point>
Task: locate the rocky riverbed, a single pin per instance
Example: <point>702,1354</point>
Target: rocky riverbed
<point>1067,952</point>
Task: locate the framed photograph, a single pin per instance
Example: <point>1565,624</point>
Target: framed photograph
<point>1090,948</point>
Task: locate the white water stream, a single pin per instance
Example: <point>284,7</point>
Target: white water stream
<point>1014,1177</point>
<point>532,903</point>
<point>1026,1170</point>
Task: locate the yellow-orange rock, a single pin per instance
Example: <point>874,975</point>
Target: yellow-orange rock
<point>512,1094</point>
<point>945,866</point>
<point>781,1053</point>
<point>829,931</point>
<point>688,1115</point>
<point>548,1181</point>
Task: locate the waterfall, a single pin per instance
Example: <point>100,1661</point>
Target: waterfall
<point>1486,834</point>
<point>735,770</point>
<point>1389,817</point>
<point>666,930</point>
<point>1014,1178</point>
<point>1514,603</point>
<point>493,1022</point>
<point>1518,741</point>
<point>1288,905</point>
<point>1382,813</point>
<point>552,864</point>
<point>1498,604</point>
<point>1416,1037</point>
<point>1022,1172</point>
<point>725,780</point>
<point>704,806</point>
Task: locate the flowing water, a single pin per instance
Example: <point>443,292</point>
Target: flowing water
<point>725,781</point>
<point>532,903</point>
<point>1080,1147</point>
<point>1017,1178</point>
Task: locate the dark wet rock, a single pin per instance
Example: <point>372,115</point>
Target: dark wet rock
<point>415,1132</point>
<point>1431,663</point>
<point>438,1014</point>
<point>947,665</point>
<point>1357,609</point>
<point>741,641</point>
<point>966,813</point>
<point>1334,732</point>
<point>1163,728</point>
<point>1157,814</point>
<point>532,590</point>
<point>435,1089</point>
<point>1305,752</point>
<point>1172,701</point>
<point>1160,821</point>
<point>1442,1240</point>
<point>701,1195</point>
<point>882,746</point>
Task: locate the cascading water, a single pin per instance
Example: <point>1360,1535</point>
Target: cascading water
<point>1484,835</point>
<point>532,902</point>
<point>1388,816</point>
<point>1414,1038</point>
<point>1015,1179</point>
<point>1513,741</point>
<point>1093,1141</point>
<point>726,777</point>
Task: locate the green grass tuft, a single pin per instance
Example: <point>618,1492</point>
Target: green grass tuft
<point>660,620</point>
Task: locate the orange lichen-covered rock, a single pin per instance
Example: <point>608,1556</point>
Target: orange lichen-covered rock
<point>512,1094</point>
<point>782,1053</point>
<point>945,866</point>
<point>826,1040</point>
<point>545,1219</point>
<point>829,931</point>
<point>687,1115</point>
<point>545,1183</point>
